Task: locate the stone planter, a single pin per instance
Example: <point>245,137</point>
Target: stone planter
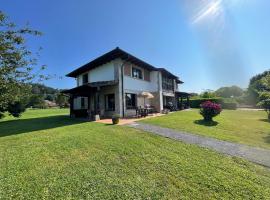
<point>115,120</point>
<point>96,117</point>
<point>208,118</point>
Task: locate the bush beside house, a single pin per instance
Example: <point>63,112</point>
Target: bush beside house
<point>226,103</point>
<point>209,110</point>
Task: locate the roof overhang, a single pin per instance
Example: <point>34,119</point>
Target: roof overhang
<point>89,88</point>
<point>182,94</point>
<point>114,54</point>
<point>169,74</point>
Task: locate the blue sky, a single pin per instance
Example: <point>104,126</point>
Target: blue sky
<point>207,43</point>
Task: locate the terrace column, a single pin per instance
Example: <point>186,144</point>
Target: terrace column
<point>71,103</point>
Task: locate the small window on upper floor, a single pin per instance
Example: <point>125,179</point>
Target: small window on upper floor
<point>137,73</point>
<point>85,78</point>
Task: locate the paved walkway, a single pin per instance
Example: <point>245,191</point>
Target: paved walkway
<point>128,120</point>
<point>256,155</point>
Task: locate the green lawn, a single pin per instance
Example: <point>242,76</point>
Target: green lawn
<point>246,127</point>
<point>46,155</point>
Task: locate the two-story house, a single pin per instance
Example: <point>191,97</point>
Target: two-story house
<point>113,84</point>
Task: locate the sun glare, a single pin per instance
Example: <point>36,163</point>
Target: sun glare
<point>210,9</point>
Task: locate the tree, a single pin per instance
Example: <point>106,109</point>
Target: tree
<point>36,101</point>
<point>265,102</point>
<point>17,65</point>
<point>227,92</point>
<point>257,85</point>
<point>264,96</point>
<point>208,94</point>
<point>61,100</point>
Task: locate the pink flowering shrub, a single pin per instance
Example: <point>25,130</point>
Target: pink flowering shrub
<point>209,110</point>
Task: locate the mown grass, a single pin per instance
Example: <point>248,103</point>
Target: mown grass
<point>46,155</point>
<point>241,126</point>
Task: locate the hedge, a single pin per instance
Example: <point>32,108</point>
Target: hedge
<point>225,103</point>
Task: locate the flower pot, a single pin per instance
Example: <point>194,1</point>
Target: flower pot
<point>208,118</point>
<point>115,120</point>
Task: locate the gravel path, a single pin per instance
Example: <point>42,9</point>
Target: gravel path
<point>256,155</point>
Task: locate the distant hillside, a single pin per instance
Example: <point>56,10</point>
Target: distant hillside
<point>48,93</point>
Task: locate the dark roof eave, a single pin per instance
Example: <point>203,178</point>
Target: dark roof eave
<point>107,57</point>
<point>88,87</point>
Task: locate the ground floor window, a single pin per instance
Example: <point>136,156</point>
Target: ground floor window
<point>131,101</point>
<point>82,102</point>
<point>109,102</point>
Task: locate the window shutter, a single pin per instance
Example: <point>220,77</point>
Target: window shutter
<point>146,75</point>
<point>127,70</point>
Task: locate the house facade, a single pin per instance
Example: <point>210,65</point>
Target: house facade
<point>113,84</point>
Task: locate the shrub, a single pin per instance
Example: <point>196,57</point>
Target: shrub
<point>229,106</point>
<point>196,103</point>
<point>16,109</point>
<point>209,110</point>
<point>229,103</point>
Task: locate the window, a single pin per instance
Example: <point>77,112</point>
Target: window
<point>109,102</point>
<point>167,83</point>
<point>82,102</point>
<point>130,101</point>
<point>136,73</point>
<point>85,78</point>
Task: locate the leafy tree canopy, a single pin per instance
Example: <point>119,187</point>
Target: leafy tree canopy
<point>258,84</point>
<point>17,65</point>
<point>208,94</point>
<point>227,92</point>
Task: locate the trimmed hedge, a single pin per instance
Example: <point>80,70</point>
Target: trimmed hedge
<point>230,104</point>
<point>195,103</point>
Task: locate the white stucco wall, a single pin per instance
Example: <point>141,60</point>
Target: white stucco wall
<point>142,85</point>
<point>77,103</point>
<point>102,73</point>
<point>79,80</point>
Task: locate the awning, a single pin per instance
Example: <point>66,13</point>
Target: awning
<point>83,90</point>
<point>182,94</point>
<point>89,88</point>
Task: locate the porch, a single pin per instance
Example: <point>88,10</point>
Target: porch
<point>92,100</point>
<point>182,99</point>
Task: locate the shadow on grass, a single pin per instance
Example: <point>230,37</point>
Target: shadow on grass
<point>265,120</point>
<point>205,123</point>
<point>110,124</point>
<point>267,139</point>
<point>18,126</point>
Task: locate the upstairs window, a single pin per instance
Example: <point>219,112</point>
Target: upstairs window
<point>85,78</point>
<point>109,102</point>
<point>131,101</point>
<point>137,73</point>
<point>167,83</point>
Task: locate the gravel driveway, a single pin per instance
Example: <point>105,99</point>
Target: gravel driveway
<point>253,154</point>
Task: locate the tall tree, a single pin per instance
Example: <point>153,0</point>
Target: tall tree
<point>256,86</point>
<point>264,96</point>
<point>227,92</point>
<point>62,100</point>
<point>18,65</point>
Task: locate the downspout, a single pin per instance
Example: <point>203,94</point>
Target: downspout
<point>122,83</point>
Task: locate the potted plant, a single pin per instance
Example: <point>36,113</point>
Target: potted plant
<point>209,110</point>
<point>115,119</point>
